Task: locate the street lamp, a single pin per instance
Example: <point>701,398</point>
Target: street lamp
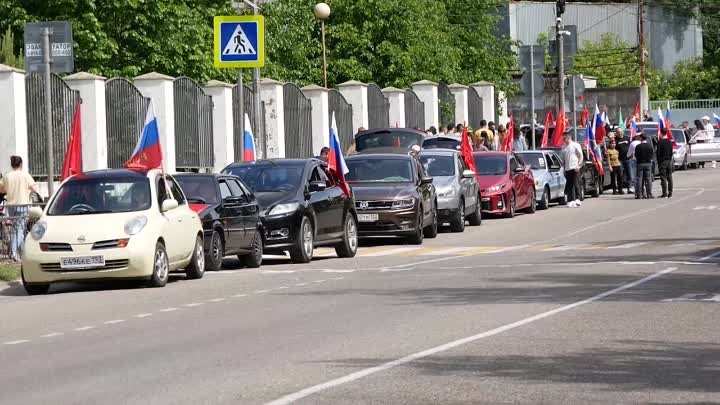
<point>322,13</point>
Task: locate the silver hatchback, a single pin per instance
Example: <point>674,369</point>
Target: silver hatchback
<point>549,176</point>
<point>458,193</point>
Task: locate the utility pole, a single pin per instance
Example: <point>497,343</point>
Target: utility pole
<point>644,93</point>
<point>560,8</point>
<point>257,105</point>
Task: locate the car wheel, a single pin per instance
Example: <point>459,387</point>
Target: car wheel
<point>196,269</point>
<point>417,237</point>
<point>349,245</point>
<point>684,165</point>
<point>533,204</point>
<point>596,189</point>
<point>214,258</point>
<point>34,288</point>
<point>458,223</point>
<point>161,267</point>
<point>582,191</point>
<point>545,201</point>
<point>254,259</point>
<point>432,230</point>
<point>475,219</point>
<point>302,252</point>
<point>511,209</point>
<point>562,200</point>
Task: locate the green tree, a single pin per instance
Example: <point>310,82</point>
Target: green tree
<point>7,51</point>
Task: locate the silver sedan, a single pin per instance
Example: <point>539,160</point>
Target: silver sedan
<point>549,176</point>
<point>458,193</point>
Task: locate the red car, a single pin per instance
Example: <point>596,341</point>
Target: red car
<point>506,183</point>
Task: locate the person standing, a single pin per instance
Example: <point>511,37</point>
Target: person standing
<point>17,186</point>
<point>709,134</point>
<point>616,175</point>
<point>665,164</point>
<point>622,144</point>
<point>644,157</point>
<point>633,163</point>
<point>324,153</point>
<point>572,157</point>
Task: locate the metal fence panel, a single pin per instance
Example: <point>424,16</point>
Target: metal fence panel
<point>238,120</point>
<point>378,107</point>
<point>414,111</point>
<point>125,109</point>
<point>193,126</point>
<point>446,105</point>
<point>64,101</point>
<point>343,118</point>
<point>298,122</point>
<point>475,108</point>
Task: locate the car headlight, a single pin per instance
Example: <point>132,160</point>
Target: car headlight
<point>135,225</point>
<point>38,230</point>
<point>537,183</point>
<point>447,193</point>
<point>495,188</point>
<point>284,209</point>
<point>404,203</point>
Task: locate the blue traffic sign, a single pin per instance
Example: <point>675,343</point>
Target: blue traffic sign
<point>239,41</point>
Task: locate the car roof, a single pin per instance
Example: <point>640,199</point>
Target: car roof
<point>390,129</point>
<point>491,153</point>
<point>377,155</point>
<point>208,175</point>
<point>110,173</point>
<point>543,151</point>
<point>385,150</point>
<point>439,152</point>
<point>273,162</point>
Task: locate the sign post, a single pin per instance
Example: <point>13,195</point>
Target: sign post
<point>240,43</point>
<point>49,49</point>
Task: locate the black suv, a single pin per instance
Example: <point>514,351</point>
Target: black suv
<point>393,196</point>
<point>301,207</point>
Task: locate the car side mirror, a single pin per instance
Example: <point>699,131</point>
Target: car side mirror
<point>519,169</point>
<point>35,213</point>
<point>169,204</point>
<point>316,186</point>
<point>554,168</point>
<point>234,200</point>
<point>468,174</point>
<point>426,180</point>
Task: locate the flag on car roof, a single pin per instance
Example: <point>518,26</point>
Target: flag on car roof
<point>546,133</point>
<point>598,126</point>
<point>336,161</point>
<point>466,150</point>
<point>73,157</point>
<point>148,151</point>
<point>664,122</point>
<point>248,142</point>
<point>633,127</point>
<point>717,120</point>
<point>595,152</point>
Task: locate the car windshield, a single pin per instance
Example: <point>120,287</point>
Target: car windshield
<point>84,196</point>
<point>379,170</point>
<point>646,128</point>
<point>535,160</point>
<point>678,136</point>
<point>199,188</point>
<point>491,165</point>
<point>389,138</point>
<point>439,165</point>
<point>269,178</point>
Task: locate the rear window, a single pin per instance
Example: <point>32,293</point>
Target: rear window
<point>385,139</point>
<point>199,188</point>
<point>439,165</point>
<point>490,165</point>
<point>379,170</point>
<point>441,143</point>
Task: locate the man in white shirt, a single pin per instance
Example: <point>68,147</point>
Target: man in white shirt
<point>17,186</point>
<point>633,162</point>
<point>572,157</point>
<point>709,134</point>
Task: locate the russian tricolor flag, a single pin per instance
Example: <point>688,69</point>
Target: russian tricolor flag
<point>717,120</point>
<point>336,161</point>
<point>598,126</point>
<point>664,122</point>
<point>248,142</point>
<point>633,128</point>
<point>148,152</point>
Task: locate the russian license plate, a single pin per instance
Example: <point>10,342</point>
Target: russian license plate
<point>367,217</point>
<point>82,262</point>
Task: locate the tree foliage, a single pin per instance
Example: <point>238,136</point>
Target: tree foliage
<point>7,51</point>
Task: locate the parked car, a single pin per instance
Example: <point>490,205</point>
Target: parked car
<point>301,207</point>
<point>230,216</point>
<point>394,196</point>
<point>549,177</point>
<point>113,224</point>
<point>506,183</point>
<point>680,149</point>
<point>402,139</point>
<point>699,153</point>
<point>591,182</point>
<point>458,193</point>
<point>442,142</point>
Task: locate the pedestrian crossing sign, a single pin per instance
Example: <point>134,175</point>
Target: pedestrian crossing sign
<point>239,41</point>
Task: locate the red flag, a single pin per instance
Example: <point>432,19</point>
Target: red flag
<point>507,145</point>
<point>559,129</point>
<point>636,113</point>
<point>466,151</point>
<point>73,157</point>
<point>584,116</point>
<point>548,121</point>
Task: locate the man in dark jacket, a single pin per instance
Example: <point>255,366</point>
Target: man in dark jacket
<point>622,144</point>
<point>665,163</point>
<point>644,156</point>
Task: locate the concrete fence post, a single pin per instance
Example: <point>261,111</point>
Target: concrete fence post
<point>159,88</point>
<point>427,92</point>
<point>320,116</point>
<point>356,95</point>
<point>397,106</point>
<point>93,118</point>
<point>486,91</point>
<point>271,94</point>
<point>13,116</point>
<point>462,113</point>
<point>223,123</point>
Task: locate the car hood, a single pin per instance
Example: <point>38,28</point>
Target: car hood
<point>270,198</point>
<point>442,182</point>
<point>387,191</point>
<point>538,174</point>
<point>93,227</point>
<point>489,181</point>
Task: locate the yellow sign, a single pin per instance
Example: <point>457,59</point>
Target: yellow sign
<point>239,41</point>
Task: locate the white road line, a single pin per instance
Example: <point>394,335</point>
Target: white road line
<point>53,334</point>
<point>277,271</point>
<point>239,295</point>
<point>448,251</point>
<point>114,321</point>
<point>447,346</point>
<point>390,252</point>
<point>282,287</point>
<point>562,248</point>
<point>194,304</point>
<point>145,315</point>
<point>217,300</point>
<point>301,284</point>
<point>338,278</point>
<point>319,281</point>
<point>171,309</point>
<point>712,256</point>
<point>337,271</point>
<point>84,328</point>
<point>628,245</point>
<point>261,291</point>
<point>16,342</point>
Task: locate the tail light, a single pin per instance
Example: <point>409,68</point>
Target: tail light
<point>675,146</point>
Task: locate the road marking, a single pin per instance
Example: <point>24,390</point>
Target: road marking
<point>445,251</point>
<point>171,309</point>
<point>301,284</point>
<point>628,245</point>
<point>145,315</point>
<point>390,252</point>
<point>337,271</point>
<point>319,281</point>
<point>16,342</point>
<point>239,295</point>
<point>562,248</point>
<point>479,250</point>
<point>282,288</point>
<point>696,297</point>
<point>194,304</point>
<point>53,334</point>
<point>114,321</point>
<point>287,399</point>
<point>277,271</point>
<point>84,328</point>
<point>338,278</point>
<point>217,300</point>
<point>261,291</point>
<point>711,256</point>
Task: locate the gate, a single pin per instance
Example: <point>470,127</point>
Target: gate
<point>298,122</point>
<point>64,101</point>
<point>125,109</point>
<point>414,111</point>
<point>249,109</point>
<point>343,118</point>
<point>475,108</point>
<point>378,107</point>
<point>193,126</point>
<point>446,105</point>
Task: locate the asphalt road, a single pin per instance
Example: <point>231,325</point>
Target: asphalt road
<point>617,302</point>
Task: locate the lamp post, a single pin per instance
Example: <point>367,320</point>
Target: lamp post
<point>322,13</point>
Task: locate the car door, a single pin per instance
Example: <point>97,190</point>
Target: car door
<point>321,203</point>
<point>468,187</point>
<point>231,221</point>
<point>172,222</point>
<point>182,225</point>
<point>426,191</point>
<point>337,205</point>
<point>557,174</point>
<point>243,211</point>
<point>518,180</point>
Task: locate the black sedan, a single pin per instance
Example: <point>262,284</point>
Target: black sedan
<point>302,207</point>
<point>230,217</point>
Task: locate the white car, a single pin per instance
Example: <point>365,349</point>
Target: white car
<point>113,224</point>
